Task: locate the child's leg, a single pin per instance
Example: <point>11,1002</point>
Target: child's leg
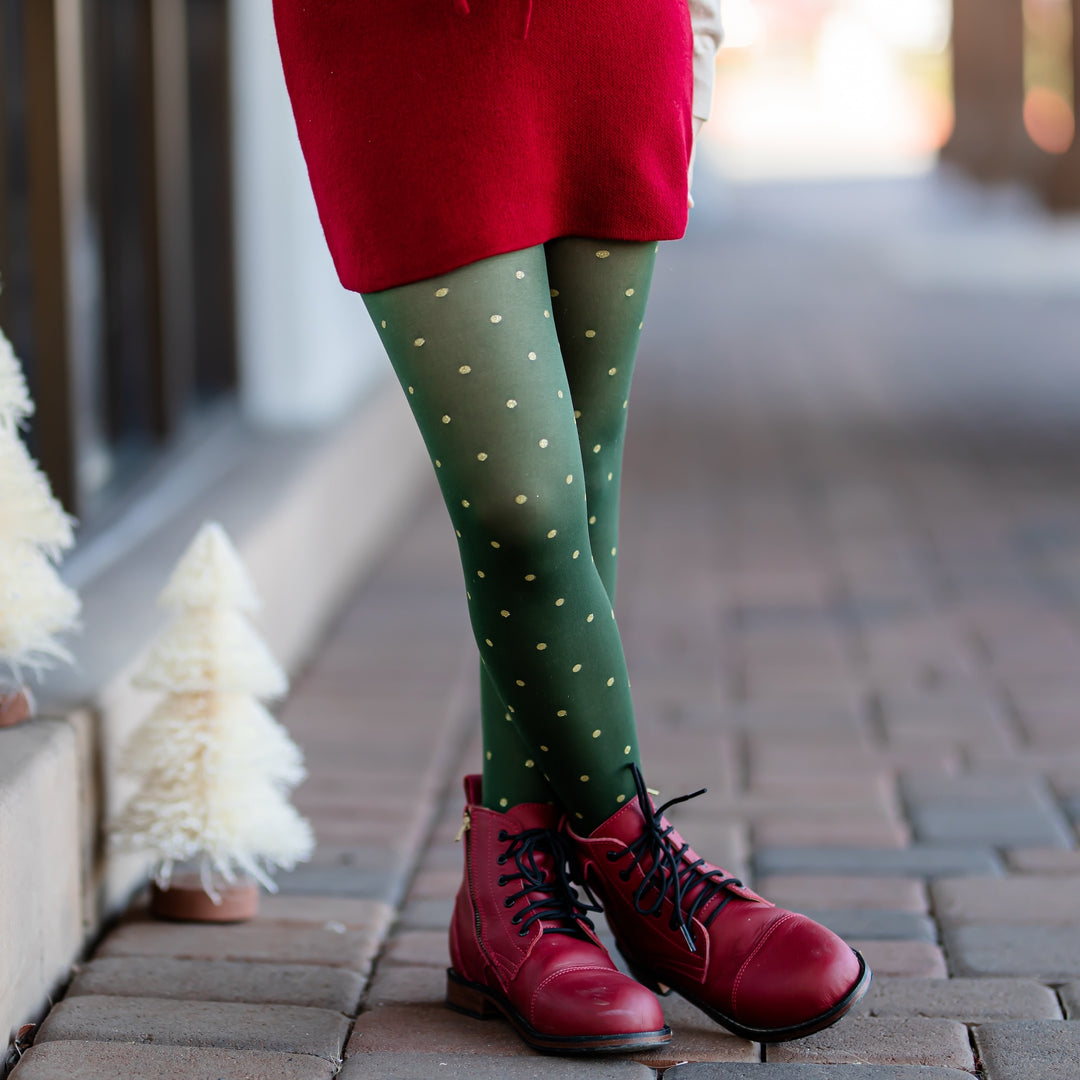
<point>477,353</point>
<point>599,289</point>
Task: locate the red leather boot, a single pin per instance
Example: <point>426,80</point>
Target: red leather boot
<point>520,943</point>
<point>683,924</point>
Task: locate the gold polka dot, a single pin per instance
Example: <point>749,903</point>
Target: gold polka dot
<point>554,292</point>
<point>584,778</point>
<point>613,550</point>
<point>411,390</point>
<point>507,717</point>
<point>541,646</point>
<point>611,370</point>
<point>418,342</point>
<point>511,404</point>
<point>560,602</point>
<point>596,734</point>
<point>592,520</point>
<point>543,444</point>
<point>446,419</point>
<point>547,314</point>
<point>495,319</point>
<point>590,333</point>
<point>629,292</point>
<point>529,763</point>
<point>561,394</point>
<point>569,478</point>
<point>579,814</point>
<point>488,755</point>
<point>464,369</point>
<point>576,668</point>
<point>575,555</point>
<point>441,292</point>
<point>438,464</point>
<point>561,712</point>
<point>532,356</point>
<point>481,456</point>
<point>610,475</point>
<point>495,544</point>
<point>465,503</point>
<point>457,533</point>
<point>520,274</point>
<point>626,749</point>
<point>383,324</point>
<point>640,325</point>
<point>518,682</point>
<point>544,748</point>
<point>577,414</point>
<point>596,449</point>
<point>625,403</point>
<point>552,533</point>
<point>511,708</point>
<point>480,573</point>
<point>611,682</point>
<point>620,798</point>
<point>504,613</point>
<point>590,617</point>
<point>503,802</point>
<point>603,253</point>
<point>530,577</point>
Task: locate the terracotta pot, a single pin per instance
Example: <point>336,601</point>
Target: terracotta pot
<point>186,901</point>
<point>15,707</point>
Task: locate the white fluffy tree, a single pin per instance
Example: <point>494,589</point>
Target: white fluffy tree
<point>35,605</point>
<point>215,766</point>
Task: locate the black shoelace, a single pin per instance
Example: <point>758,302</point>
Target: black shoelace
<point>553,896</point>
<point>667,874</point>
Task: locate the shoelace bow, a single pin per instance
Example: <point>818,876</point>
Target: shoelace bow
<point>558,899</point>
<point>667,873</point>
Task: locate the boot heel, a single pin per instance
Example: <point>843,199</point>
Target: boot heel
<point>466,999</point>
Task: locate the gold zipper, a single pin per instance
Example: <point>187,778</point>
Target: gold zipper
<point>466,824</point>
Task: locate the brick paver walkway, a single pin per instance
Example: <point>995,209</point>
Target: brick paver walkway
<point>850,589</point>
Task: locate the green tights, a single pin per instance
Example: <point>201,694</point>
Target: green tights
<point>517,369</point>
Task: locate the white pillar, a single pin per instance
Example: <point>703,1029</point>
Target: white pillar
<point>308,351</point>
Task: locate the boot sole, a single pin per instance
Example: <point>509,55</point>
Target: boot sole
<point>483,1003</point>
<point>764,1035</point>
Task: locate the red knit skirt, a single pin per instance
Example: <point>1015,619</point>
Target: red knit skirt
<point>439,132</point>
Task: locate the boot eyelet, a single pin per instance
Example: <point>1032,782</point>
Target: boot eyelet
<point>502,880</point>
<point>523,933</point>
<point>503,835</point>
<point>501,860</point>
<point>508,903</point>
<point>612,855</point>
<point>515,920</point>
<point>623,875</point>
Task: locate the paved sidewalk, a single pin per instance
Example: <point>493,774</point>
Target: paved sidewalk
<point>850,597</point>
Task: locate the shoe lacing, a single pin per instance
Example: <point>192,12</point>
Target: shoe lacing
<point>667,873</point>
<point>558,900</point>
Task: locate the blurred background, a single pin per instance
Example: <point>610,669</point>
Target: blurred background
<point>164,277</point>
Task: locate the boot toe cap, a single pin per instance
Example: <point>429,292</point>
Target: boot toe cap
<point>801,971</point>
<point>596,1002</point>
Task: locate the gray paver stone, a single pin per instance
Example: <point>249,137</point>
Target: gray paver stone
<point>784,1071</point>
<point>997,826</point>
<point>971,1001</point>
<point>427,914</point>
<point>279,943</point>
<point>120,1061</point>
<point>376,874</point>
<point>1031,899</point>
<point>1030,1049</point>
<point>1044,952</point>
<point>870,925</point>
<point>919,860</point>
<point>881,1041</point>
<point>290,1029</point>
<point>1070,998</point>
<point>479,1067</point>
<point>1072,808</point>
<point>221,980</point>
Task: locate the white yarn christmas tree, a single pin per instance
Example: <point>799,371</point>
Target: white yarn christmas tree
<point>216,767</point>
<point>35,605</point>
